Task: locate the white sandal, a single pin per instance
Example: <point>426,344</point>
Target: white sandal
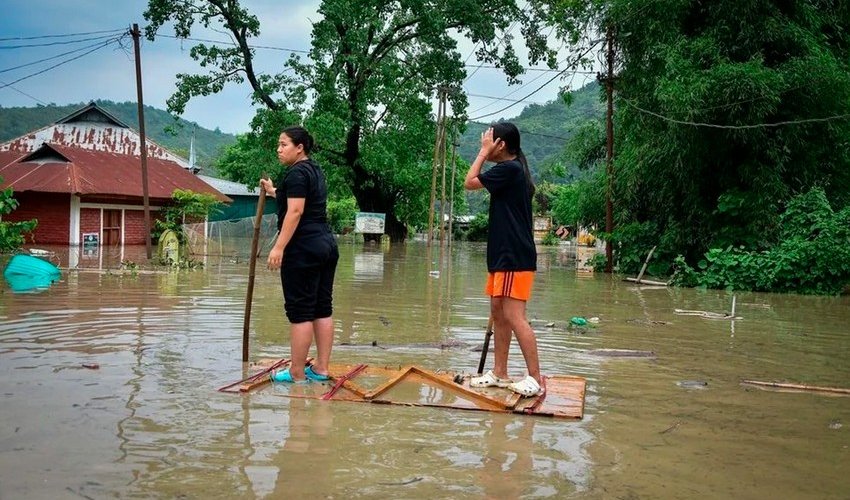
<point>489,379</point>
<point>527,387</point>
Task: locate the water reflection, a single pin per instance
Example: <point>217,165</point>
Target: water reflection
<point>148,422</point>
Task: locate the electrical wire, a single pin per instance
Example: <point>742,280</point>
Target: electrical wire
<point>736,127</point>
<point>9,85</point>
<point>49,58</point>
<point>48,44</point>
<point>100,46</point>
<point>538,88</point>
<point>64,35</point>
<point>206,40</point>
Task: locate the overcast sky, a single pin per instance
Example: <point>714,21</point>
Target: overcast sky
<point>108,73</point>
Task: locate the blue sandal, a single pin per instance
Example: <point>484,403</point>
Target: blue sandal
<point>285,376</point>
<point>311,375</point>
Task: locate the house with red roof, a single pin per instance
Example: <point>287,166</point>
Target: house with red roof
<point>82,176</point>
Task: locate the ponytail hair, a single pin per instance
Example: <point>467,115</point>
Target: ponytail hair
<point>300,137</point>
<point>529,182</point>
<point>509,134</point>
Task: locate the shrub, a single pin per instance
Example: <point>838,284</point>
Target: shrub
<point>812,257</point>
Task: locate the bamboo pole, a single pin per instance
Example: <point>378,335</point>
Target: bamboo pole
<point>252,266</point>
<point>798,387</point>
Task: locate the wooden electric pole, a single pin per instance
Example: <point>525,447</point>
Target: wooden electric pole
<point>452,195</point>
<point>443,189</point>
<point>144,148</point>
<point>439,145</point>
<point>609,169</point>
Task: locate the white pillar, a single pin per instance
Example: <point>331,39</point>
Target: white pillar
<point>74,221</point>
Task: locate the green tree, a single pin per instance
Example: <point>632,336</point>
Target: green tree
<point>372,69</point>
<point>12,233</point>
<point>186,206</point>
<point>770,83</point>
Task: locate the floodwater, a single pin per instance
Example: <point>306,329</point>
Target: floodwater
<point>149,423</point>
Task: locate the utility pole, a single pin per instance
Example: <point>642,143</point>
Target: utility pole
<point>609,169</point>
<point>443,190</point>
<point>144,148</point>
<point>439,144</point>
<point>452,195</point>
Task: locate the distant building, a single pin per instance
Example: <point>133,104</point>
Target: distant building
<point>82,176</point>
<point>244,200</point>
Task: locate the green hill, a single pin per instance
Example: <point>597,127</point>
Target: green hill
<point>545,128</point>
<point>159,126</point>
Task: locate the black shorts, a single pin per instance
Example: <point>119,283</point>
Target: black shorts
<point>307,277</point>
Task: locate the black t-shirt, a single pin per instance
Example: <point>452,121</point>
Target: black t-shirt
<point>510,242</point>
<point>304,180</point>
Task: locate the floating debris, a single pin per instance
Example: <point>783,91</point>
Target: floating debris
<point>692,384</point>
<point>621,353</point>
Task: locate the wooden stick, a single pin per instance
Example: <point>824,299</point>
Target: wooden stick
<point>486,348</point>
<point>252,266</point>
<point>387,385</point>
<point>476,396</point>
<point>646,282</point>
<point>645,263</point>
<point>799,387</point>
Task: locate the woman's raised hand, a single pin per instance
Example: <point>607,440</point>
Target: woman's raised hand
<point>488,144</point>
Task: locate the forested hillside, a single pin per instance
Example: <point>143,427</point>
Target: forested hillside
<point>159,126</point>
<point>545,128</point>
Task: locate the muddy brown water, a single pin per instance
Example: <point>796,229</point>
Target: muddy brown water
<point>148,422</point>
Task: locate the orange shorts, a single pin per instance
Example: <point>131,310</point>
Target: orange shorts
<point>513,284</point>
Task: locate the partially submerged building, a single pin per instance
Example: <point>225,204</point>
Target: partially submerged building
<point>81,177</point>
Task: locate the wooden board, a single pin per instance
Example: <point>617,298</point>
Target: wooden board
<point>416,386</point>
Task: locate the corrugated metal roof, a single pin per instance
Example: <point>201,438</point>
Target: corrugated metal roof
<point>7,157</point>
<point>229,188</point>
<point>90,128</point>
<point>55,168</point>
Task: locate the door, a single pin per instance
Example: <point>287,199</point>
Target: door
<point>111,227</point>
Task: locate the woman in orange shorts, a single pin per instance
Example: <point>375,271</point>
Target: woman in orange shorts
<point>511,254</point>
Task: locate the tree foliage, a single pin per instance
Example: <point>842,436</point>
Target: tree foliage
<point>186,206</point>
<point>812,255</point>
<point>12,233</point>
<point>770,78</point>
<point>365,90</point>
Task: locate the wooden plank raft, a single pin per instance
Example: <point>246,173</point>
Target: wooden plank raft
<point>415,386</point>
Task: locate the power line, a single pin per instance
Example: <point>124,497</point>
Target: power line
<point>499,98</point>
<point>538,88</point>
<point>49,58</point>
<point>542,70</point>
<point>4,85</point>
<point>206,40</point>
<point>102,45</point>
<point>501,41</point>
<point>64,35</point>
<point>514,91</point>
<point>736,127</point>
<point>48,44</point>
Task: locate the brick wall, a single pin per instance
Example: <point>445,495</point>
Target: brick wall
<point>89,221</point>
<point>134,226</point>
<point>52,211</point>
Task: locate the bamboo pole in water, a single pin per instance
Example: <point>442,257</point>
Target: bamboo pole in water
<point>799,387</point>
<point>252,265</point>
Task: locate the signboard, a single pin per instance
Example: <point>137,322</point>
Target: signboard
<point>91,239</point>
<point>369,223</point>
<point>542,223</point>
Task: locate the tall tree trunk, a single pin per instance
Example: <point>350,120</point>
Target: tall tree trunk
<point>369,196</point>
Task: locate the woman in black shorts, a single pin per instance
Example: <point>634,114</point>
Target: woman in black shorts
<point>306,254</point>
